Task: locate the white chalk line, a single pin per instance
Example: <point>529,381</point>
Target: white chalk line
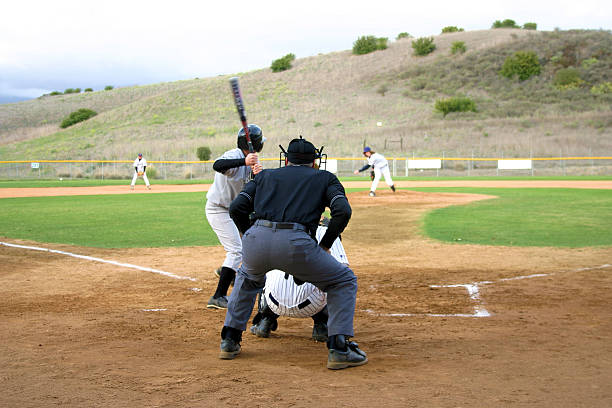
<point>473,290</point>
<point>91,258</point>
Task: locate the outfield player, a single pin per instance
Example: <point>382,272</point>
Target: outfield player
<point>381,167</point>
<point>232,171</point>
<point>282,296</point>
<point>140,169</point>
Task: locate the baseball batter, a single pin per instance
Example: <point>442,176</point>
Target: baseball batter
<point>140,170</point>
<point>232,171</point>
<point>282,296</point>
<point>381,167</point>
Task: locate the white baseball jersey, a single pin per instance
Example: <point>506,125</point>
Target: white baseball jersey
<point>285,298</point>
<point>140,164</point>
<point>228,185</point>
<point>377,161</point>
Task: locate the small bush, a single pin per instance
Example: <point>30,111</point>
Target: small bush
<point>282,64</point>
<point>455,104</point>
<point>507,23</point>
<point>108,87</point>
<point>586,64</point>
<point>382,90</point>
<point>151,172</point>
<point>203,153</point>
<point>77,116</point>
<point>423,46</point>
<point>458,47</point>
<point>77,90</point>
<point>69,91</point>
<point>368,43</point>
<point>523,64</point>
<point>55,93</point>
<point>603,88</point>
<point>567,78</point>
<point>530,26</point>
<point>402,35</point>
<point>451,29</point>
<point>88,90</point>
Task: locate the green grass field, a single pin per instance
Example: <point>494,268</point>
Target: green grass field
<point>109,221</point>
<point>519,217</point>
<point>525,217</point>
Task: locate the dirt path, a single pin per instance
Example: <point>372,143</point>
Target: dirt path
<point>79,333</point>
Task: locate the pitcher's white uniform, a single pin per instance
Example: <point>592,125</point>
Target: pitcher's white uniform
<point>226,186</point>
<point>139,166</point>
<point>286,298</point>
<point>381,167</point>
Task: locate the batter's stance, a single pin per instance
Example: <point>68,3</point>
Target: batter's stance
<point>282,296</point>
<point>287,204</point>
<point>232,172</point>
<point>140,169</point>
<point>380,165</point>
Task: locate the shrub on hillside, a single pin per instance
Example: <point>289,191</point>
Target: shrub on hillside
<point>451,29</point>
<point>455,104</point>
<point>108,87</point>
<point>567,78</point>
<point>402,35</point>
<point>203,153</point>
<point>151,172</point>
<point>88,90</point>
<point>458,47</point>
<point>423,45</point>
<point>601,89</point>
<point>77,90</point>
<point>530,26</point>
<point>507,23</point>
<point>523,64</point>
<point>282,64</point>
<point>69,91</point>
<point>368,43</point>
<point>76,117</point>
<point>382,90</point>
<point>55,93</point>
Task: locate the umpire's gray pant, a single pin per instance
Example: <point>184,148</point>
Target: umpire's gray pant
<point>293,251</point>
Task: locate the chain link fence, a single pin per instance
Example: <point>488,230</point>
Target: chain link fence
<point>399,166</point>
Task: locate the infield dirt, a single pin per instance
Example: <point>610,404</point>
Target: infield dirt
<point>79,333</point>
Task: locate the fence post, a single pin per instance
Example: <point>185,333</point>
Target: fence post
<point>102,170</point>
<point>394,174</point>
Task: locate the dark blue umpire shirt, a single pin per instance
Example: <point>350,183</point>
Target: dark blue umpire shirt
<point>297,194</point>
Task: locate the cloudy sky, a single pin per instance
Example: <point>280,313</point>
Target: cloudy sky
<point>58,44</point>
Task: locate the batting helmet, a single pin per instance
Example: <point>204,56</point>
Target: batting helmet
<point>256,135</point>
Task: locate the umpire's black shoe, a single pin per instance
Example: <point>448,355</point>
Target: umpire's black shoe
<point>264,327</point>
<point>319,331</point>
<point>350,356</point>
<point>229,349</point>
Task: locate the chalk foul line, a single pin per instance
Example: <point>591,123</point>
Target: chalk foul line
<point>473,290</point>
<point>91,258</point>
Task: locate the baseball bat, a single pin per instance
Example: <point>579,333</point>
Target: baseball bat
<point>241,111</point>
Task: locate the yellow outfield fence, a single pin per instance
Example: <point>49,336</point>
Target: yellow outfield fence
<point>343,166</point>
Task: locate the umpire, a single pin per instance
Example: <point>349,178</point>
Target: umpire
<point>287,203</point>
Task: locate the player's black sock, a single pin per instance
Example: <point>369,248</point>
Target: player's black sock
<point>226,275</point>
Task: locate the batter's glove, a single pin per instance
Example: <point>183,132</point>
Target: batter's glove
<point>371,175</point>
<point>140,173</point>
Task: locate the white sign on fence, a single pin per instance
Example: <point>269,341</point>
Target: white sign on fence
<point>332,166</point>
<point>514,164</point>
<point>35,165</point>
<point>425,164</point>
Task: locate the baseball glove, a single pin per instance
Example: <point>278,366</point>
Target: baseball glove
<point>371,175</point>
<point>140,173</point>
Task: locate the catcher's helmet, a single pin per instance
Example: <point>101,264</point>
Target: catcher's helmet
<point>256,135</point>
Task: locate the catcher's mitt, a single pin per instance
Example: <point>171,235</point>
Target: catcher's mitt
<point>372,175</point>
<point>140,173</point>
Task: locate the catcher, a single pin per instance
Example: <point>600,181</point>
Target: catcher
<point>283,296</point>
<point>140,169</point>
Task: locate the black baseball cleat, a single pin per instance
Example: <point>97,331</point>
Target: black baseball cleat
<point>319,332</point>
<point>217,303</point>
<point>229,349</point>
<point>263,328</point>
<point>344,353</point>
<point>393,188</point>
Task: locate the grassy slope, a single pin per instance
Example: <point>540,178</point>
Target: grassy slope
<point>333,100</point>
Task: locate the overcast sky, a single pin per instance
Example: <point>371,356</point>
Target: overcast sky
<point>57,44</point>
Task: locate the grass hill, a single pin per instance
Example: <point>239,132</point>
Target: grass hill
<point>337,99</point>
